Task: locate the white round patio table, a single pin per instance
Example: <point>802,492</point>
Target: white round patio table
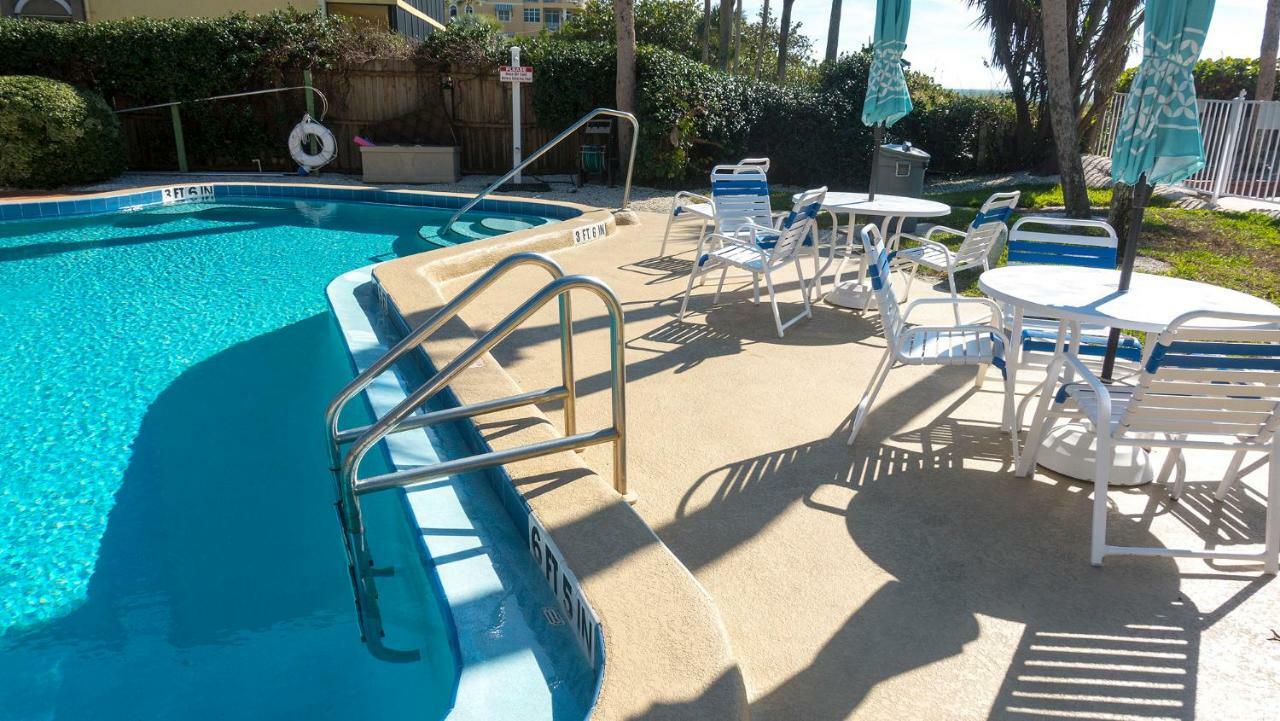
<point>1076,296</point>
<point>892,210</point>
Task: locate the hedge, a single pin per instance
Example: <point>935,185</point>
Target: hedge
<point>1216,79</point>
<point>55,134</point>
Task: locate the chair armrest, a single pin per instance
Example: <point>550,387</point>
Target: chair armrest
<point>942,228</point>
<point>997,319</point>
<point>739,242</point>
<point>685,195</point>
<point>1101,424</point>
<point>926,242</point>
<point>905,338</point>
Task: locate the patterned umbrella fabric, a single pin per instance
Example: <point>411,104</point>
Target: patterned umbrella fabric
<point>887,98</point>
<point>1159,133</point>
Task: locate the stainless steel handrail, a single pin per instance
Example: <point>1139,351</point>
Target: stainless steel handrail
<point>403,417</point>
<point>626,191</point>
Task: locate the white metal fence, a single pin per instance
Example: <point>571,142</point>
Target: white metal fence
<point>1241,146</point>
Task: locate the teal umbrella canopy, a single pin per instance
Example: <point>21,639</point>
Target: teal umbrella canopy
<point>887,98</point>
<point>1159,132</point>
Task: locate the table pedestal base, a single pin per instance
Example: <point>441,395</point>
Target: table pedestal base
<point>851,294</point>
<point>1068,448</point>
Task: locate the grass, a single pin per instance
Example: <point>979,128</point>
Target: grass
<point>1034,197</point>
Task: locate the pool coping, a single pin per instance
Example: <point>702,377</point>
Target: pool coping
<point>667,649</point>
<point>113,201</point>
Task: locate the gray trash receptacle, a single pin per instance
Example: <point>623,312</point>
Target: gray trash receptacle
<point>899,170</point>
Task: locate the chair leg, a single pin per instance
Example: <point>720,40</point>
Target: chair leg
<point>1171,465</point>
<point>1027,463</point>
<point>1101,475</point>
<point>955,297</point>
<point>1272,562</point>
<point>981,376</point>
<point>911,277</point>
<point>804,290</point>
<point>1233,470</point>
<point>755,288</point>
<point>662,252</point>
<point>869,395</point>
<point>773,299</point>
<point>720,286</point>
<point>688,289</point>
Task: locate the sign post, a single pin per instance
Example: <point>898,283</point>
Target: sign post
<point>516,74</point>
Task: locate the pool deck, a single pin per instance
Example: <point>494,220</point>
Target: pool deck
<point>910,576</point>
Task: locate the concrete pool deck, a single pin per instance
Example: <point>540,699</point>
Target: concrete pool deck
<point>911,576</point>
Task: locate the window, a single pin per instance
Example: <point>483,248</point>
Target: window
<point>503,12</point>
<point>533,15</point>
<point>553,19</point>
<point>471,10</point>
<point>453,11</point>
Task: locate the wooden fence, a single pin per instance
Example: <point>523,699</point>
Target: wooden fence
<point>395,99</point>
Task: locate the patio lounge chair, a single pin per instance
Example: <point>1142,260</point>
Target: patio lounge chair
<point>1200,388</point>
<point>692,206</point>
<point>1058,241</point>
<point>742,250</point>
<point>980,239</point>
<point>977,344</point>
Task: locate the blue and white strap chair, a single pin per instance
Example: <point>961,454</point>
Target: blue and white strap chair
<point>981,238</point>
<point>692,206</point>
<point>1056,241</point>
<point>1212,381</point>
<point>743,250</point>
<point>978,345</point>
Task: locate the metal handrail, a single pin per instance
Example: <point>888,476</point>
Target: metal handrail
<point>626,191</point>
<point>323,100</point>
<point>403,417</point>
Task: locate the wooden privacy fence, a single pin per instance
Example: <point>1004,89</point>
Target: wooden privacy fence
<point>396,99</point>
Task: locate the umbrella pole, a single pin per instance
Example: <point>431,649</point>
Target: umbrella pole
<point>878,138</point>
<point>1141,195</point>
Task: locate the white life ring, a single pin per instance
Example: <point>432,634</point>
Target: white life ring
<point>310,128</point>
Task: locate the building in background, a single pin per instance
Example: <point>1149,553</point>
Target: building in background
<point>520,17</point>
<point>412,18</point>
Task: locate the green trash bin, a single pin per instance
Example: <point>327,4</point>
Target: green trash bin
<point>899,170</point>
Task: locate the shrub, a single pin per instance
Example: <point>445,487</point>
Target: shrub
<point>55,134</point>
<point>1216,79</point>
<point>471,40</point>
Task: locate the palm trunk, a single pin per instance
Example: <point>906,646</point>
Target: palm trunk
<point>1062,107</point>
<point>784,34</point>
<point>726,32</point>
<point>764,38</point>
<point>706,32</point>
<point>1267,58</point>
<point>624,17</point>
<point>737,37</point>
<point>833,33</point>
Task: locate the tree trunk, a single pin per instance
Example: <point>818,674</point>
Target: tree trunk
<point>726,32</point>
<point>1062,106</point>
<point>764,39</point>
<point>833,33</point>
<point>1121,205</point>
<point>624,17</point>
<point>784,34</point>
<point>706,32</point>
<point>737,37</point>
<point>1267,59</point>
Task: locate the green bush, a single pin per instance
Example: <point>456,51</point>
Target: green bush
<point>471,40</point>
<point>1216,79</point>
<point>55,134</point>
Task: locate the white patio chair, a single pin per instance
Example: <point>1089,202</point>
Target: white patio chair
<point>1204,388</point>
<point>977,344</point>
<point>1056,241</point>
<point>743,251</point>
<point>981,237</point>
<point>693,206</point>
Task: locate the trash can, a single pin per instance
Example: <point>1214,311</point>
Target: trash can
<point>899,170</point>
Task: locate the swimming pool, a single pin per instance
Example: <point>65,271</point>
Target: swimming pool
<point>168,547</point>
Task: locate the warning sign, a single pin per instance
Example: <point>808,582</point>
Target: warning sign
<point>509,74</point>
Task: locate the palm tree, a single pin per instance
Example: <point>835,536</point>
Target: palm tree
<point>624,17</point>
<point>726,32</point>
<point>833,32</point>
<point>737,36</point>
<point>706,32</point>
<point>784,34</point>
<point>1063,112</point>
<point>1267,58</point>
<point>764,38</point>
<point>1014,27</point>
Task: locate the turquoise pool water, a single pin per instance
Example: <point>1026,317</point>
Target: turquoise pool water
<point>168,547</point>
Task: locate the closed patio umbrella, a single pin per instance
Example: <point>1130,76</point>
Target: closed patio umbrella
<point>887,98</point>
<point>1158,140</point>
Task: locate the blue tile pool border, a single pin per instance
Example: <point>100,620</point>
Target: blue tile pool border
<point>114,202</point>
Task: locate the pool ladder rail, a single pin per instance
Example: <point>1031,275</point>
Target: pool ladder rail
<point>409,415</point>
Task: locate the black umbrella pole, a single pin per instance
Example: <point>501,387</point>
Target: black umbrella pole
<point>1141,195</point>
<point>877,139</point>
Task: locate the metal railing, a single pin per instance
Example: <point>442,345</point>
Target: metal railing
<point>1241,140</point>
<point>626,190</point>
<point>403,417</point>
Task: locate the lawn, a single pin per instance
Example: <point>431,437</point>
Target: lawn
<point>1034,197</point>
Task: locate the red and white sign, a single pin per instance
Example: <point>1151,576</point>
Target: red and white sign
<point>509,74</point>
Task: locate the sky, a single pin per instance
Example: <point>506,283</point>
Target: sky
<point>943,42</point>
